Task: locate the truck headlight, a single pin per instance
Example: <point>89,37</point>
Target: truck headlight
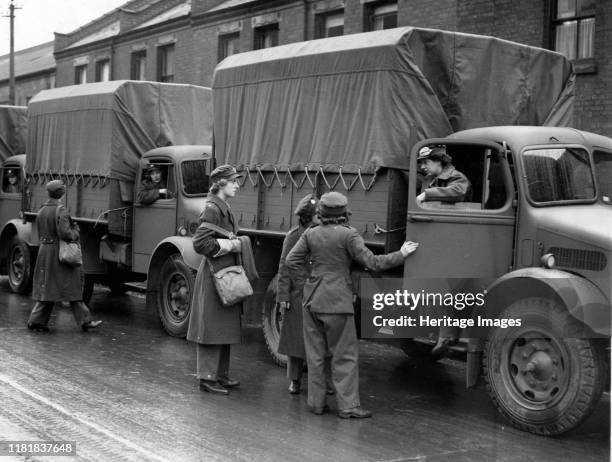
<point>548,260</point>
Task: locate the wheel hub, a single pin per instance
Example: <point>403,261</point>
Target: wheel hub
<point>537,369</point>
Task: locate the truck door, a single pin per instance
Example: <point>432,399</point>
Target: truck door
<point>156,220</point>
<point>472,238</point>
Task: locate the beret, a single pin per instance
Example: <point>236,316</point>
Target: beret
<point>223,172</point>
<point>55,186</point>
<point>333,204</point>
<point>307,204</point>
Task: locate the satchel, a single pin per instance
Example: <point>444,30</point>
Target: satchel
<point>70,253</point>
<point>231,284</point>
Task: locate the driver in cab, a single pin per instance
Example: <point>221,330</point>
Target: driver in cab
<point>443,181</point>
<point>153,187</point>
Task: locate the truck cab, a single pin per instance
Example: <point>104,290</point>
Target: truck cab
<point>535,238</point>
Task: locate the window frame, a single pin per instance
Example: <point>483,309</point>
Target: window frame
<point>370,13</point>
<point>165,66</point>
<point>102,64</point>
<point>321,20</point>
<point>579,17</point>
<point>80,70</point>
<point>138,65</point>
<point>260,35</point>
<point>223,40</point>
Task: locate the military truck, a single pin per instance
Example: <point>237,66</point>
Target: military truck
<point>101,139</point>
<point>13,129</point>
<point>350,114</point>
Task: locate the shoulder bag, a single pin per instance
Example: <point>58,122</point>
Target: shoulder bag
<point>231,283</point>
<point>69,252</point>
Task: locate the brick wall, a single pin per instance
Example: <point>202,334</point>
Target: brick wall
<point>524,21</point>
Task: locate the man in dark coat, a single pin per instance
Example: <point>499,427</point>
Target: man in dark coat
<point>154,187</point>
<point>212,326</point>
<point>443,182</point>
<point>55,281</point>
<point>328,302</point>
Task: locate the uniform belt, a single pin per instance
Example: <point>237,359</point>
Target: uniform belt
<point>48,241</point>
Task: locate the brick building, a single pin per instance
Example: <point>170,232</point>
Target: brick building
<point>183,40</point>
<point>34,71</point>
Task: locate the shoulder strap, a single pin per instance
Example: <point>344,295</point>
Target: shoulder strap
<point>218,229</point>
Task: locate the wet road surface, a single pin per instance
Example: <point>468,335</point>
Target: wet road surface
<point>128,392</point>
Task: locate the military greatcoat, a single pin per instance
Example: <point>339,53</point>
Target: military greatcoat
<point>54,281</point>
<point>290,289</point>
<point>210,322</point>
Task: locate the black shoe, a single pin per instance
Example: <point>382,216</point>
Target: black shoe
<point>38,327</point>
<point>228,383</point>
<point>354,413</point>
<point>319,410</point>
<point>330,391</point>
<point>294,387</point>
<point>213,387</point>
<point>90,325</point>
<point>442,346</point>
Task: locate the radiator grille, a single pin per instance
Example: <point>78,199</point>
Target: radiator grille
<point>590,260</point>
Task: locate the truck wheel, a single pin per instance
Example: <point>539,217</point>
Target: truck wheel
<point>539,377</point>
<point>20,266</point>
<point>175,286</point>
<point>271,320</point>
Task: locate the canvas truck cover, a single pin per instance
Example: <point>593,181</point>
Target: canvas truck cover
<point>13,130</point>
<point>361,101</point>
<point>104,128</point>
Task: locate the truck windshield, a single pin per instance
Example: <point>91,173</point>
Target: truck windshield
<point>603,172</point>
<point>195,177</point>
<point>560,174</point>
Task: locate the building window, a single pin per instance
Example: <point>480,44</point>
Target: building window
<point>228,45</point>
<point>266,37</point>
<point>103,70</point>
<point>165,63</point>
<point>139,61</point>
<point>329,24</point>
<point>80,74</point>
<point>381,15</point>
<point>574,28</point>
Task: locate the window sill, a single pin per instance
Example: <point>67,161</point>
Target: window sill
<point>585,66</point>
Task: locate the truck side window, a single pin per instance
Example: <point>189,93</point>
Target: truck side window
<point>603,173</point>
<point>11,181</point>
<point>195,177</point>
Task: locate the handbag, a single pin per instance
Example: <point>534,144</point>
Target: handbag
<point>231,282</point>
<point>69,252</point>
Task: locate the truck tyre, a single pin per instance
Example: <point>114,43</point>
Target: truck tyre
<point>176,283</point>
<point>541,376</point>
<point>271,320</point>
<point>20,266</point>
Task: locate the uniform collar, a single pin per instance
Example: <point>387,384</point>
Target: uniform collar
<point>52,201</point>
<point>223,206</point>
<point>446,172</point>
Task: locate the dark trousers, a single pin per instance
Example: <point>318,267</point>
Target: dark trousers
<point>295,367</point>
<point>332,334</point>
<point>212,361</point>
<point>42,312</point>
